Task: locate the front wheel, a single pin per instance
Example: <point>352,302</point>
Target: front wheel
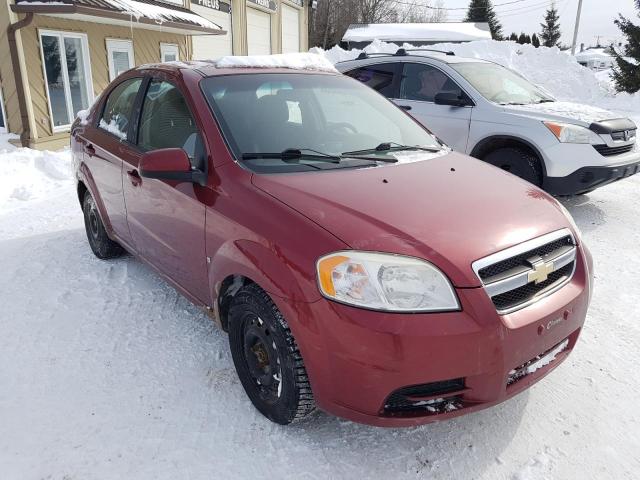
<point>101,245</point>
<point>518,161</point>
<point>267,358</point>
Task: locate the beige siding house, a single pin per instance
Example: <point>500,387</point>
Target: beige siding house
<point>56,56</point>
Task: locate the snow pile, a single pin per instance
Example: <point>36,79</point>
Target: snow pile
<point>27,174</point>
<point>550,68</point>
<point>296,61</point>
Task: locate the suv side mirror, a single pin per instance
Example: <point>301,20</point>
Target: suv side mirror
<point>170,164</point>
<point>452,99</point>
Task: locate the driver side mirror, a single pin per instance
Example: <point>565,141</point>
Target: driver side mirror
<point>452,99</point>
<point>170,164</point>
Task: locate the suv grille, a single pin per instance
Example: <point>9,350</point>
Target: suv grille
<point>607,151</point>
<point>521,275</point>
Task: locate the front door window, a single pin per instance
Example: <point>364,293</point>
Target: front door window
<point>67,75</point>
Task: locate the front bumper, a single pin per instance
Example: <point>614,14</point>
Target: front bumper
<point>357,358</point>
<point>586,179</point>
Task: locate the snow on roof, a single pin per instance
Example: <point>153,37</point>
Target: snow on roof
<point>148,9</point>
<point>160,13</point>
<point>418,32</point>
<point>296,61</point>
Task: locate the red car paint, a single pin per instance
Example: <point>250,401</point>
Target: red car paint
<point>451,211</point>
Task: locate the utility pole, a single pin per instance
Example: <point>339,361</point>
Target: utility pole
<point>575,31</point>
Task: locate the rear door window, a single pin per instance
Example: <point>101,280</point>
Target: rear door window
<point>118,109</point>
<point>167,122</point>
<point>422,82</point>
<point>382,77</point>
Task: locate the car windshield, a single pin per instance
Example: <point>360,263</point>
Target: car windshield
<point>501,85</point>
<point>314,115</point>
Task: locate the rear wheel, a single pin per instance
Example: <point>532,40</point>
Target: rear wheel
<point>101,245</point>
<point>267,358</point>
<point>518,161</point>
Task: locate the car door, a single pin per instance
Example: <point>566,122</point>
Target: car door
<point>105,144</point>
<point>419,84</point>
<point>166,217</point>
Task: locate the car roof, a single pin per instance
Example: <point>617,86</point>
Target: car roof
<point>208,68</point>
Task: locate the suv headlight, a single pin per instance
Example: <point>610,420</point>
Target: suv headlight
<point>568,133</point>
<point>387,282</point>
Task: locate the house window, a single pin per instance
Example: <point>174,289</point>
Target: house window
<point>65,57</point>
<point>169,52</point>
<point>120,56</point>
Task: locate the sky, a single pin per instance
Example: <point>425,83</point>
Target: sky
<point>526,15</point>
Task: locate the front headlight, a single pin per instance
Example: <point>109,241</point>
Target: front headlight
<point>568,133</point>
<point>381,281</point>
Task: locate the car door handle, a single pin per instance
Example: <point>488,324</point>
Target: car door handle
<point>89,150</point>
<point>405,107</point>
<point>134,177</point>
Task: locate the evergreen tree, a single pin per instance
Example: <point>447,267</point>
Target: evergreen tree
<point>551,27</point>
<point>535,41</point>
<point>482,11</point>
<point>527,39</point>
<point>626,75</point>
<point>522,39</point>
<point>513,37</point>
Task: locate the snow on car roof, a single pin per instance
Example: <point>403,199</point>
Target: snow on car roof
<point>294,61</point>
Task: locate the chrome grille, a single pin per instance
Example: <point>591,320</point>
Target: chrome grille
<point>520,275</point>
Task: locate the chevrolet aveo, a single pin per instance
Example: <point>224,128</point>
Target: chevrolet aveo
<point>357,264</point>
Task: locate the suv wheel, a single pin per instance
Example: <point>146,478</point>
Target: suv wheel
<point>267,358</point>
<point>518,161</point>
<point>101,245</point>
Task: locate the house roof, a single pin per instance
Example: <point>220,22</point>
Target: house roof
<point>418,32</point>
<point>147,13</point>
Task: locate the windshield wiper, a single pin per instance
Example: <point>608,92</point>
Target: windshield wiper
<point>393,147</point>
<point>546,100</point>
<point>293,155</point>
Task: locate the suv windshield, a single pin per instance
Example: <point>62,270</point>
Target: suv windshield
<point>315,115</point>
<point>500,85</point>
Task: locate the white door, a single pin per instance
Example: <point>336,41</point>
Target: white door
<point>290,28</point>
<point>207,47</point>
<point>169,52</point>
<point>258,32</point>
<point>120,56</point>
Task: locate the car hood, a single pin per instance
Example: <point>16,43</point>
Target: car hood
<point>450,209</point>
<point>569,112</point>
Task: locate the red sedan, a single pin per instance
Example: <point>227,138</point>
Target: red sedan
<point>357,263</point>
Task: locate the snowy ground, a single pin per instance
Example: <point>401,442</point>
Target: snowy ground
<point>106,372</point>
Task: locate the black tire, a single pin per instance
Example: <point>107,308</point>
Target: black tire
<point>519,161</point>
<point>264,349</point>
<point>101,245</point>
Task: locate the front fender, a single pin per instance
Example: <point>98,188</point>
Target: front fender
<point>84,175</point>
<point>268,267</point>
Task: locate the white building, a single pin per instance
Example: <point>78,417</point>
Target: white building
<point>254,27</point>
<point>360,35</point>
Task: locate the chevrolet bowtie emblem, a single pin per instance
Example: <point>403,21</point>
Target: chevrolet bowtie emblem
<point>541,270</point>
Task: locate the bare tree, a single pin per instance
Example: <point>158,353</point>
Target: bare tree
<point>331,18</point>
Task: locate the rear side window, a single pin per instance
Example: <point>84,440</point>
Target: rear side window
<point>118,108</point>
<point>380,77</point>
<point>422,82</point>
<point>167,122</point>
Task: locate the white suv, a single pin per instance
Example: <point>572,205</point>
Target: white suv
<point>494,114</point>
